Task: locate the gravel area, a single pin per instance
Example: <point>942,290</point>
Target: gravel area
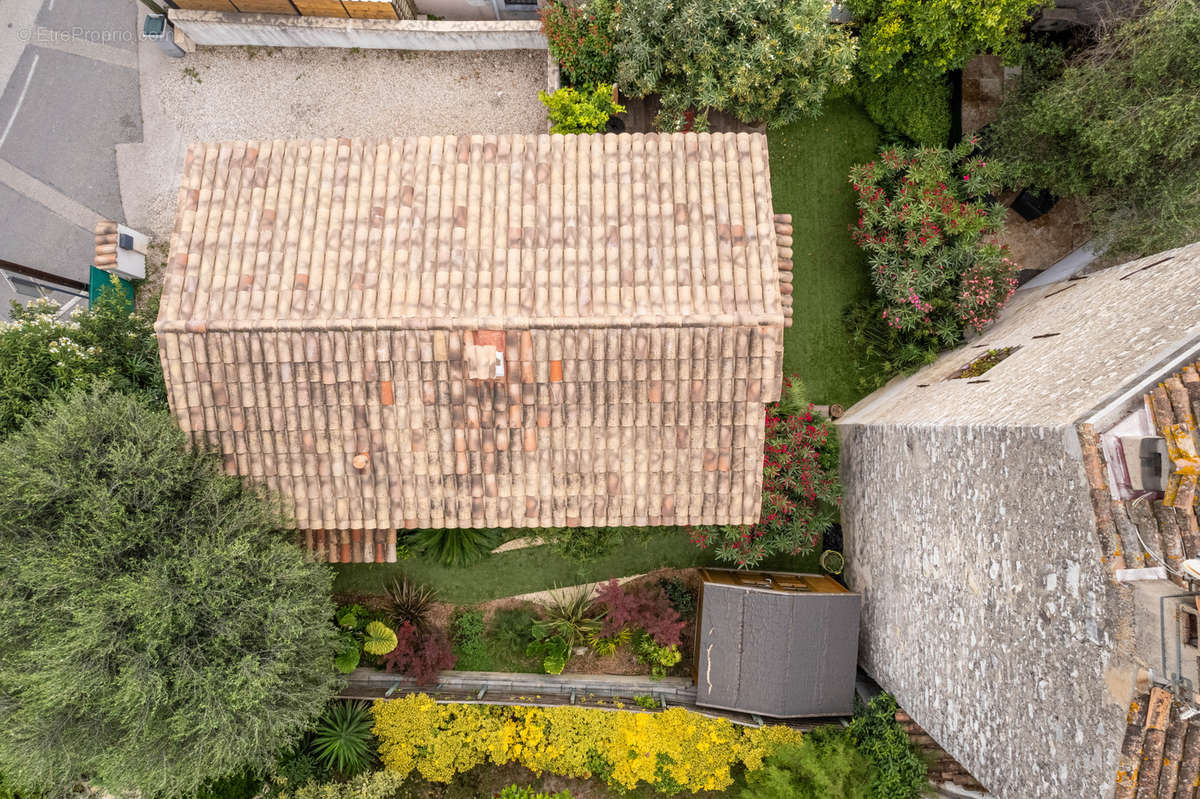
<point>247,93</point>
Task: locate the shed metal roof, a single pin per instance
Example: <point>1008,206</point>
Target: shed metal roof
<point>779,653</point>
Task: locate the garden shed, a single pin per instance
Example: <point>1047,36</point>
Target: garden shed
<point>484,331</point>
<point>776,644</point>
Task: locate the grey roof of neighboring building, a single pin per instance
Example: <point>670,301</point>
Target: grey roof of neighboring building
<point>777,653</point>
<point>976,533</point>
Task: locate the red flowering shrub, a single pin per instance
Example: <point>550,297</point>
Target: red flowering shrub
<point>419,654</point>
<point>580,37</point>
<point>644,607</point>
<point>928,228</point>
<point>800,488</point>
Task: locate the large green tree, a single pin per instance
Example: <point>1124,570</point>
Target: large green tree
<point>158,630</point>
<point>760,60</point>
<point>932,37</point>
<point>907,47</point>
<point>1119,126</point>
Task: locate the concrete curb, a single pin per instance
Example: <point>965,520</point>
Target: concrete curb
<point>673,689</point>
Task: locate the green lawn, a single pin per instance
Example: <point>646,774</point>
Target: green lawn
<point>810,162</point>
<point>535,569</point>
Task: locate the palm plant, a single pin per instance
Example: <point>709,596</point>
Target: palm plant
<point>411,602</point>
<point>569,615</point>
<point>455,546</point>
<point>343,742</point>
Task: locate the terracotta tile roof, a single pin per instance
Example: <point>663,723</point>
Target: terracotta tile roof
<point>106,237</point>
<point>1160,755</point>
<point>485,331</point>
<point>1166,525</point>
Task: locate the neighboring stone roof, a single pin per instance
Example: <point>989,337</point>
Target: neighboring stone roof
<point>1115,323</point>
<point>493,331</point>
<point>1160,754</point>
<point>981,531</point>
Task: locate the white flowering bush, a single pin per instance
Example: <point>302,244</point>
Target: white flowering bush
<point>42,355</point>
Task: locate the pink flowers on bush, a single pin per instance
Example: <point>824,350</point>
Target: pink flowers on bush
<point>800,489</point>
<point>928,227</point>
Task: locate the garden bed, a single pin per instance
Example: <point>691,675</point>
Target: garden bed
<point>503,620</point>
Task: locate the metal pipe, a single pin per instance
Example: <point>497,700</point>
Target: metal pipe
<point>155,7</point>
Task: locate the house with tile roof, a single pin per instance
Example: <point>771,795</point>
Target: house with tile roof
<point>1019,563</point>
<point>484,331</point>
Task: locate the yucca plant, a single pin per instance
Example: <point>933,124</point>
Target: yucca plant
<point>343,742</point>
<point>411,602</point>
<point>605,646</point>
<point>569,615</point>
<point>455,546</point>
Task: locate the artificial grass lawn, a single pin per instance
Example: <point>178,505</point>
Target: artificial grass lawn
<point>524,571</point>
<point>810,162</point>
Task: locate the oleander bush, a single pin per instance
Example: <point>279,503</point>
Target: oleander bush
<point>160,630</point>
<point>927,224</point>
<point>671,751</point>
<point>42,356</point>
<point>580,38</point>
<point>801,491</point>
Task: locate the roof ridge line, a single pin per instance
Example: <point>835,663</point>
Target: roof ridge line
<point>459,323</point>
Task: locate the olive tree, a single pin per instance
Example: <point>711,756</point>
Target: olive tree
<point>1117,125</point>
<point>158,629</point>
<point>760,60</point>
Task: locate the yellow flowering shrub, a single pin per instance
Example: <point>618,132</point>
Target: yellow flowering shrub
<point>672,751</point>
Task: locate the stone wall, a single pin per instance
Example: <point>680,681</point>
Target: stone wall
<point>216,28</point>
<point>985,608</point>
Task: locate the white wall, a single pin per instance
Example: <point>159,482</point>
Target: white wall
<point>215,28</point>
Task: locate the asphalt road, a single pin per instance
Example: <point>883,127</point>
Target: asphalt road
<point>69,71</point>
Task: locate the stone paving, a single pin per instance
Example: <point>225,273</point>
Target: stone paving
<point>254,93</point>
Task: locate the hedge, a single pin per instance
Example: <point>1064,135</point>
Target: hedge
<point>671,751</point>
